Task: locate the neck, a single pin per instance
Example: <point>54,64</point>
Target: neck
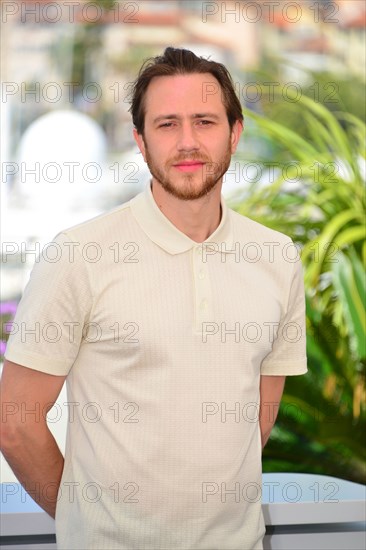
<point>197,218</point>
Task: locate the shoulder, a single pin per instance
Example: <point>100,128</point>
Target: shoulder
<point>261,245</point>
<point>248,229</point>
<point>101,228</point>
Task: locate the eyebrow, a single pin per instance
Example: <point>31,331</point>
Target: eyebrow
<point>177,117</point>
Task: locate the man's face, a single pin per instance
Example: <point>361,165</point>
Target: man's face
<point>187,142</point>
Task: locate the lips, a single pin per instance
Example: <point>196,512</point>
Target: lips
<point>188,165</point>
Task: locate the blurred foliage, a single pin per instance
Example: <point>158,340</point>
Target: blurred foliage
<point>339,92</point>
<point>321,425</point>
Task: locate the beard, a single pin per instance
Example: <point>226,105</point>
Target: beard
<point>190,186</point>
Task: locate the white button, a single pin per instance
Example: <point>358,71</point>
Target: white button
<point>199,250</point>
<point>201,274</point>
<point>204,304</point>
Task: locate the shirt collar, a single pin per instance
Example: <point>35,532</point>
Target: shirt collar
<point>163,233</point>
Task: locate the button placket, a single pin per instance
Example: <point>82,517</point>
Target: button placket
<point>202,286</point>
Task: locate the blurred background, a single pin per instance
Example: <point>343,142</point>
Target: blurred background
<point>299,70</point>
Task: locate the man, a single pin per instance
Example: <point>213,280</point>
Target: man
<point>171,318</point>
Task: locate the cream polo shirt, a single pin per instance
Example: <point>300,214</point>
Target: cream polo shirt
<point>163,341</point>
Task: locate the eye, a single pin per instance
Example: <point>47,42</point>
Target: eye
<point>166,125</point>
<point>205,122</point>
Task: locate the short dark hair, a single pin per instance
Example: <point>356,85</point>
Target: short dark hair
<point>176,61</point>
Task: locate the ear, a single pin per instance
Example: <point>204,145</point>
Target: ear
<point>140,142</point>
<point>235,134</point>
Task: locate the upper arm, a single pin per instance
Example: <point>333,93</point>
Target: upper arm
<point>288,354</point>
<point>57,297</point>
<point>24,390</point>
<point>271,388</point>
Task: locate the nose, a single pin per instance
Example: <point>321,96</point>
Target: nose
<point>187,139</point>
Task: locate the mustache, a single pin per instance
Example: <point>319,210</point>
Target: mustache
<point>189,156</point>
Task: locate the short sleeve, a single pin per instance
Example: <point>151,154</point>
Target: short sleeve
<point>288,355</point>
<point>48,326</point>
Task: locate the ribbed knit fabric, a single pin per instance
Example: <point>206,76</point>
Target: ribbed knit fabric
<point>163,341</point>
